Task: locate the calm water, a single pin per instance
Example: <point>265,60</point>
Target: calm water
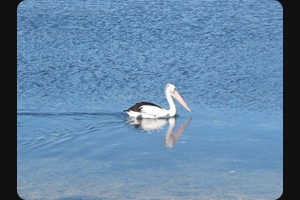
<point>81,64</point>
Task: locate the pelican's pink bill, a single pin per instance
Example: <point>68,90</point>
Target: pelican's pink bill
<point>177,96</point>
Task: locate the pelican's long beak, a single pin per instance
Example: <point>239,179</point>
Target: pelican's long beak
<point>177,96</point>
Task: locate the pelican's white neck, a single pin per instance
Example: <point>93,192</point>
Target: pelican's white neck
<point>172,110</point>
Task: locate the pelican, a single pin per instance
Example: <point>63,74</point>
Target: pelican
<point>151,110</point>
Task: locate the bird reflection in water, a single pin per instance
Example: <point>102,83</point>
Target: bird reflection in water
<point>150,125</point>
<point>171,137</point>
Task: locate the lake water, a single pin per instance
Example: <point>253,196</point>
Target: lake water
<point>81,63</point>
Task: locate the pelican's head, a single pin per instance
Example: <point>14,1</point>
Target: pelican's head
<point>170,89</point>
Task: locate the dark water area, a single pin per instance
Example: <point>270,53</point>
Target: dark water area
<point>80,64</point>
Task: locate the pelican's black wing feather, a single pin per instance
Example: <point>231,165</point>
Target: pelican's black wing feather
<point>137,107</point>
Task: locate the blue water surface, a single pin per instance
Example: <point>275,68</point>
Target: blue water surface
<point>81,63</point>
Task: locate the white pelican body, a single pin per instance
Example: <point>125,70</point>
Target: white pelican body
<point>151,110</point>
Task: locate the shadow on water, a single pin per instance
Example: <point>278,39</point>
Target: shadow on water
<point>150,125</point>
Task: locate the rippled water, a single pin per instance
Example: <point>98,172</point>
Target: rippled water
<point>81,64</point>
